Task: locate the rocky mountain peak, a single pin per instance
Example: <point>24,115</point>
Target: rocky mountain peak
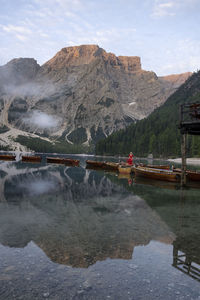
<point>85,54</point>
<point>74,56</point>
<point>125,63</point>
<point>19,70</point>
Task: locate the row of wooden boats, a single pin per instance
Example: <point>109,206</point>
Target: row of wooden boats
<point>29,158</point>
<point>173,175</point>
<point>121,167</point>
<point>158,172</point>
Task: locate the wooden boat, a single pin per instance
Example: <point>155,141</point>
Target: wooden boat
<point>158,174</point>
<point>191,175</point>
<point>163,167</point>
<point>125,169</point>
<point>31,158</point>
<point>7,157</point>
<point>66,161</point>
<point>95,164</point>
<point>111,166</point>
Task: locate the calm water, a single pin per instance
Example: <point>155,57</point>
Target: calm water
<point>72,233</point>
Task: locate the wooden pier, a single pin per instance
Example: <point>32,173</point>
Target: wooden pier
<point>189,124</point>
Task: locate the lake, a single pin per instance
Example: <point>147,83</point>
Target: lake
<point>76,233</point>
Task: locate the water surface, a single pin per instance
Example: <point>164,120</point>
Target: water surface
<point>72,233</point>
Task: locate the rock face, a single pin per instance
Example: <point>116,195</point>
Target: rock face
<point>172,82</point>
<point>81,95</point>
<point>18,71</point>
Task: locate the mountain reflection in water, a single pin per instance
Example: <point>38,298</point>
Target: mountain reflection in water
<point>76,216</point>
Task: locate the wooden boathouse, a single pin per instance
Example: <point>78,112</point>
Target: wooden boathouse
<point>189,124</point>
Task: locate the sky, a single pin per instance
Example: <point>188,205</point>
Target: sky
<point>164,33</point>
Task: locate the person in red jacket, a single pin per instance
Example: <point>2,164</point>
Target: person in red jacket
<point>130,159</point>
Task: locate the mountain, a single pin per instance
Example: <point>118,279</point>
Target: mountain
<point>79,96</point>
<point>172,82</point>
<point>158,133</point>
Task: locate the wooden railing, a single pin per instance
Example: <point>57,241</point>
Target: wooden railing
<point>190,118</point>
<point>190,113</point>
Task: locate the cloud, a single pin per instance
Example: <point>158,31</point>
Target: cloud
<point>21,37</point>
<point>166,5</point>
<point>42,120</point>
<point>20,32</point>
<point>184,57</point>
<point>162,9</point>
<point>101,37</point>
<point>54,9</point>
<point>43,89</point>
<point>69,4</point>
<point>43,34</point>
<point>16,29</point>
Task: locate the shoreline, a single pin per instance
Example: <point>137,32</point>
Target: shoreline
<point>189,161</point>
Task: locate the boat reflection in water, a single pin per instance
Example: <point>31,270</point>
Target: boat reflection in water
<point>157,183</point>
<point>128,177</point>
<point>165,184</point>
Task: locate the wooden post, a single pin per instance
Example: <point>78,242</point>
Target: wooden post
<point>183,152</point>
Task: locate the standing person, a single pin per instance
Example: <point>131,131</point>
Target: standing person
<point>130,159</point>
